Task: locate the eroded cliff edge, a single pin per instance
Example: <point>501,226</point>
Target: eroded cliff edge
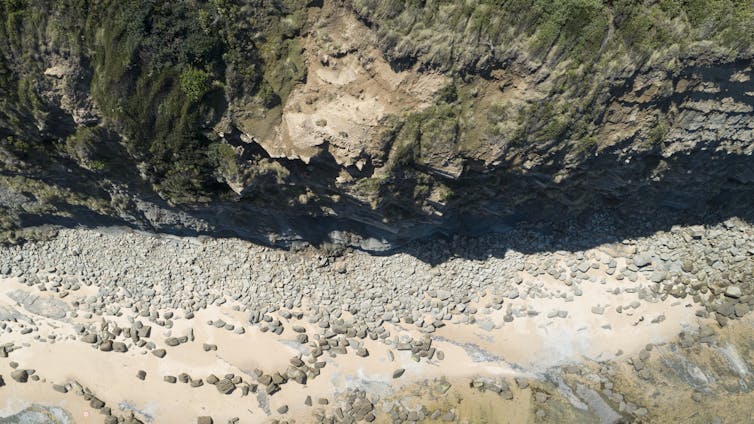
<point>375,122</point>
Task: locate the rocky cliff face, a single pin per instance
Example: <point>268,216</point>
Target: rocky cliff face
<point>372,122</point>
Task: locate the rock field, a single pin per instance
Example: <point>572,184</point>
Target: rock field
<point>116,326</point>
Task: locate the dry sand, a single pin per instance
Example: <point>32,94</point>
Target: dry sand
<point>525,347</point>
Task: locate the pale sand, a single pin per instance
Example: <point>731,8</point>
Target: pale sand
<point>527,346</point>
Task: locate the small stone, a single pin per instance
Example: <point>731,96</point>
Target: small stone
<point>204,420</point>
<point>733,292</point>
<point>160,353</point>
<point>658,276</point>
<point>21,376</point>
<point>541,397</point>
<point>449,416</point>
<point>522,383</point>
<point>169,379</point>
<point>687,266</point>
<point>141,375</point>
<point>642,260</point>
<point>59,388</point>
<point>225,386</point>
<point>726,309</point>
<point>283,409</point>
<point>89,338</point>
<point>398,373</point>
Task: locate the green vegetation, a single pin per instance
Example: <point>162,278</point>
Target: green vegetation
<point>83,145</point>
<point>448,34</point>
<point>448,94</point>
<point>48,195</point>
<point>159,70</point>
<point>444,192</point>
<point>195,83</point>
<point>657,133</point>
<point>224,158</point>
<point>585,44</point>
<point>163,74</point>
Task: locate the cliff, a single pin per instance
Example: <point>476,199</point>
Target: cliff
<point>372,122</point>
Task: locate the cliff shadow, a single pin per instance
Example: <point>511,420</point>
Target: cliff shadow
<point>606,199</point>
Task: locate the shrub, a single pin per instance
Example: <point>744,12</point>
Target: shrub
<point>195,83</point>
<point>447,94</point>
<point>224,159</point>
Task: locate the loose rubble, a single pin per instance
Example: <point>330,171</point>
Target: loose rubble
<point>223,302</point>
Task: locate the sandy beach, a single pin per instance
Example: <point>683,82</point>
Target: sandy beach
<point>505,346</point>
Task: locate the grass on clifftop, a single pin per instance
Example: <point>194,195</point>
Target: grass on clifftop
<point>472,35</point>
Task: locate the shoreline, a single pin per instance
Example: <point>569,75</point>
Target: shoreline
<point>215,308</point>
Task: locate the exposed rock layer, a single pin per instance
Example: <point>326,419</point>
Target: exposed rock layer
<point>347,135</point>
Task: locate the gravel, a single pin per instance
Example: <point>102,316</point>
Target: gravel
<point>340,303</point>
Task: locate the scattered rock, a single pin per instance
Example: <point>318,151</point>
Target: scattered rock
<point>20,376</point>
<point>89,338</point>
<point>733,292</point>
<point>96,403</point>
<point>225,386</point>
